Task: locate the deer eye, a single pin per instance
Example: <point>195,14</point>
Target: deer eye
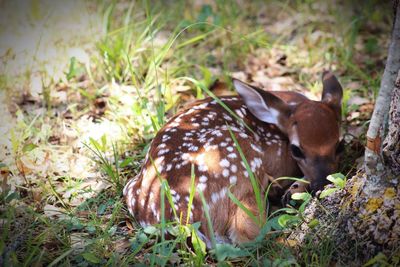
<point>340,147</point>
<point>296,152</point>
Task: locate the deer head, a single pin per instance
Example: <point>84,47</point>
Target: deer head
<point>312,127</point>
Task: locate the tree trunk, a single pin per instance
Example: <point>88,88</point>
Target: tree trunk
<point>363,220</point>
<point>391,145</point>
<point>375,166</point>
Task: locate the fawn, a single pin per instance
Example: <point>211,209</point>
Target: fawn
<point>291,136</point>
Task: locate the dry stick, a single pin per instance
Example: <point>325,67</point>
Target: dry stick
<point>373,162</point>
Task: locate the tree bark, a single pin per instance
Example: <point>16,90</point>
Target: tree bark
<point>374,164</point>
<point>391,145</point>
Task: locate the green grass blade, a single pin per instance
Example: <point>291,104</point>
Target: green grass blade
<point>254,182</point>
<point>208,218</point>
<point>192,192</point>
<point>242,207</point>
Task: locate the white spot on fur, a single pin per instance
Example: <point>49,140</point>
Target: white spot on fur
<point>165,138</point>
<point>279,152</point>
<point>227,118</point>
<point>217,133</point>
<point>162,152</point>
<point>239,113</point>
<point>153,209</point>
<point>256,148</point>
<point>193,148</point>
<point>243,135</point>
<point>203,179</point>
<point>161,146</point>
<point>129,185</point>
<point>202,168</point>
<point>232,156</point>
<point>224,163</point>
<point>169,167</point>
<point>201,186</point>
<point>215,197</point>
<point>233,168</point>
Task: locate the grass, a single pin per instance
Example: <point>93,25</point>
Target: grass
<point>61,199</point>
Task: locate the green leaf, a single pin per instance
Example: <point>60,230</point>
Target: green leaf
<point>2,165</point>
<point>72,69</point>
<point>198,245</point>
<point>174,230</point>
<point>14,141</point>
<point>205,12</point>
<point>327,192</point>
<point>379,260</point>
<point>313,223</point>
<point>91,229</point>
<point>74,224</point>
<point>29,147</point>
<point>285,220</point>
<point>126,162</point>
<point>139,241</point>
<point>271,224</point>
<point>337,179</point>
<point>90,257</point>
<point>101,209</point>
<point>103,141</point>
<point>10,196</point>
<point>95,144</point>
<point>150,230</point>
<point>112,230</point>
<point>224,251</point>
<point>301,196</point>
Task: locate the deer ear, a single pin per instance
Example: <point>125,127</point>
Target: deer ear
<point>332,92</point>
<point>263,105</point>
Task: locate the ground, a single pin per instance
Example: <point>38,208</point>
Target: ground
<point>84,87</point>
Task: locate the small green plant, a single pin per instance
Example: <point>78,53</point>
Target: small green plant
<point>339,181</point>
<point>110,167</point>
<point>292,215</point>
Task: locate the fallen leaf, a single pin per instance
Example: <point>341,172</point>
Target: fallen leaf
<point>52,211</point>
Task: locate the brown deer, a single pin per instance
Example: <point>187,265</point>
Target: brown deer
<point>291,136</point>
